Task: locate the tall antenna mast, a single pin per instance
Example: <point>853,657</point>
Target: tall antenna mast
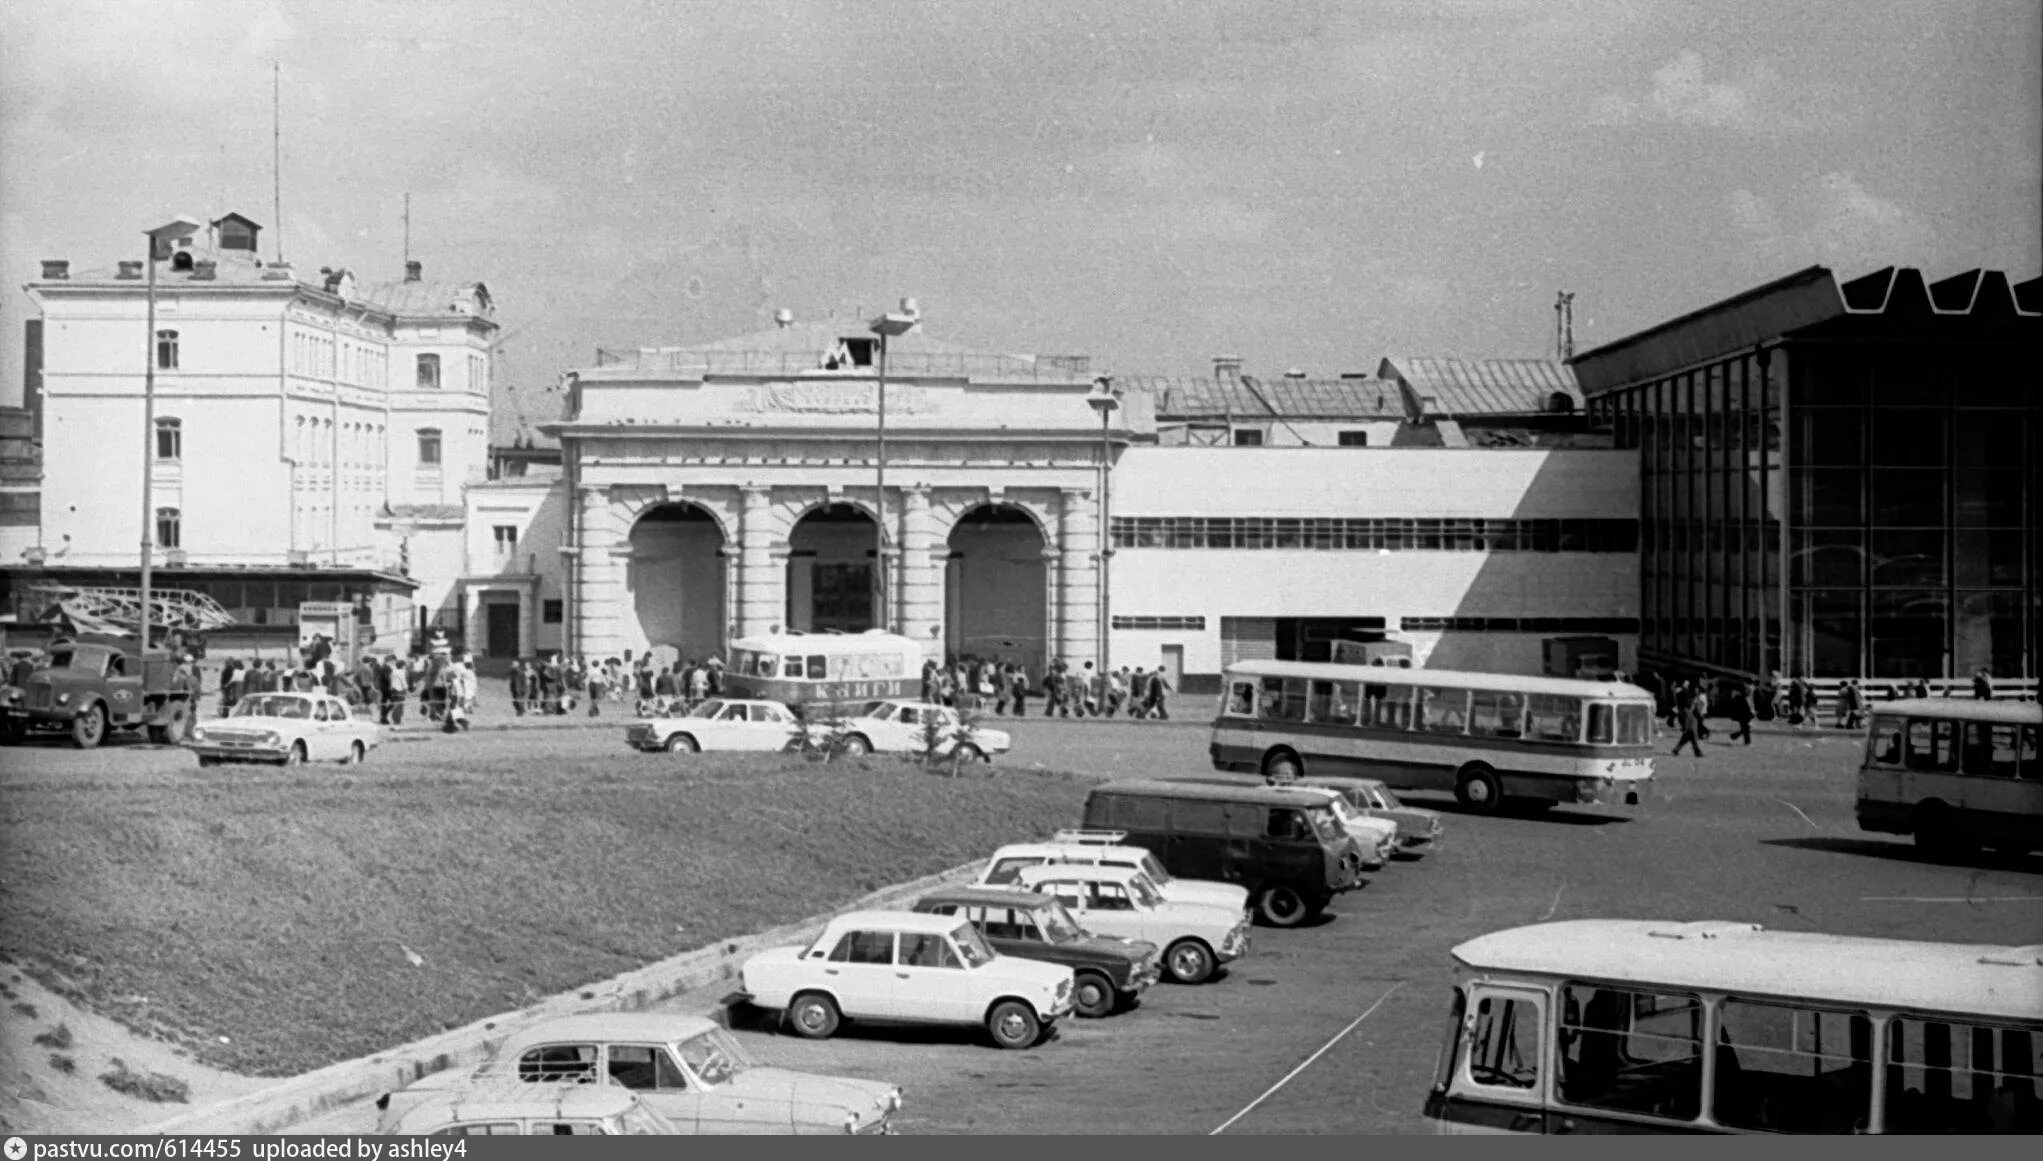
<point>277,154</point>
<point>1564,326</point>
<point>407,228</point>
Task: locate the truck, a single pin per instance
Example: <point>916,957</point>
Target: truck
<point>91,685</point>
<point>1587,658</point>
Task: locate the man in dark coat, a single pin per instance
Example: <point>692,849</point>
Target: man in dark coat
<point>1739,709</point>
<point>1691,729</point>
<point>518,687</point>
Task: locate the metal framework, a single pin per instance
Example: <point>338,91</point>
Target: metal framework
<point>116,611</point>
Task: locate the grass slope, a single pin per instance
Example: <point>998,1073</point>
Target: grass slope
<point>281,910</point>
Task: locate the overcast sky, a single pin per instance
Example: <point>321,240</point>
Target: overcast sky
<point>1309,185</point>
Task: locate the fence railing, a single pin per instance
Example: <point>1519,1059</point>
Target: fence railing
<point>907,364</point>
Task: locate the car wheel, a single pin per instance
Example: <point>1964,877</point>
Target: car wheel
<point>1282,767</point>
<point>356,752</point>
<point>682,744</point>
<point>1013,1024</point>
<point>1281,906</point>
<point>856,745</point>
<point>969,753</point>
<point>1937,834</point>
<point>88,729</point>
<point>1189,962</point>
<point>1093,996</point>
<point>814,1016</point>
<point>1479,790</point>
<point>203,762</point>
<point>295,756</point>
<point>12,731</point>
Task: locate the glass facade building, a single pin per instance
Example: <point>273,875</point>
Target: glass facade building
<point>1837,480</point>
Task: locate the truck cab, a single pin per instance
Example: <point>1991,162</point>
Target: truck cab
<point>94,685</point>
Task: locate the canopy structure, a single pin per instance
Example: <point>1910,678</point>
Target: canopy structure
<point>116,611</point>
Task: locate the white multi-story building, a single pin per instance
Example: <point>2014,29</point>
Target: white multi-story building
<point>323,422</point>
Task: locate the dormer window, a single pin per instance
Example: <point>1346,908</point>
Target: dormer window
<point>849,353</point>
<point>182,260</point>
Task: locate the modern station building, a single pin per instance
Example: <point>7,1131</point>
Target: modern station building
<point>1837,480</point>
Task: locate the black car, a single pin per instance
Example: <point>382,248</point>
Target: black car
<point>1110,972</point>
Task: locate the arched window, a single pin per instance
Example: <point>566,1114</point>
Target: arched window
<point>429,371</point>
<point>169,528</point>
<point>1560,403</point>
<point>182,260</point>
<point>429,447</point>
<point>169,438</point>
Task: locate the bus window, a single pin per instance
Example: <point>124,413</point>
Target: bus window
<point>1495,713</point>
<point>1638,1052</point>
<point>1962,1078</point>
<point>1387,707</point>
<point>1990,750</point>
<point>2027,757</point>
<point>1602,724</point>
<point>1931,745</point>
<point>1793,1070</point>
<point>1634,725</point>
<point>1503,1046</point>
<point>1443,711</point>
<point>1333,701</point>
<point>817,668</point>
<point>1241,700</point>
<point>1283,699</point>
<point>1887,735</point>
<point>764,664</point>
<point>791,667</point>
<point>1553,718</point>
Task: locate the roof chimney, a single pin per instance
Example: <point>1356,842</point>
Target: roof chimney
<point>413,269</point>
<point>130,270</point>
<point>783,318</point>
<point>1294,373</point>
<point>56,269</point>
<point>1227,366</point>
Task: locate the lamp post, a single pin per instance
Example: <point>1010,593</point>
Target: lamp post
<point>887,325</point>
<point>160,239</point>
<point>1104,401</point>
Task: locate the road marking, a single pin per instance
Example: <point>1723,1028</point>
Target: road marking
<point>1798,810</point>
<point>1307,1063</point>
<point>1950,899</point>
<point>1555,905</point>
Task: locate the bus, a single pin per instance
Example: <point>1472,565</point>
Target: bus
<point>1487,737</point>
<point>837,669</point>
<point>1641,1026</point>
<point>1958,775</point>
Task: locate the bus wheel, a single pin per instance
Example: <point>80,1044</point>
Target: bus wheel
<point>1282,767</point>
<point>1937,834</point>
<point>1479,790</point>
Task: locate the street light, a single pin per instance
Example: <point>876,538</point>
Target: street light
<point>887,325</point>
<point>1104,401</point>
<point>161,239</point>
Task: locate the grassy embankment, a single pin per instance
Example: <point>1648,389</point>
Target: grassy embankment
<point>282,910</point>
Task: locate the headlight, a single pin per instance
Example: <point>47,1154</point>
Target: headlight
<point>272,738</point>
<point>63,699</point>
<point>894,1101</point>
<point>198,733</point>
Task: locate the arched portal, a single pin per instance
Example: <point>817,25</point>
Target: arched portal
<point>830,570</point>
<point>995,603</point>
<point>677,583</point>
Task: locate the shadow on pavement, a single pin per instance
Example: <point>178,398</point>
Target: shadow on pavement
<point>1902,851</point>
<point>1516,813</point>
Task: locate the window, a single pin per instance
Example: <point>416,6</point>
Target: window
<point>429,447</point>
<point>166,350</point>
<point>1354,439</point>
<point>1639,1052</point>
<point>1795,1070</point>
<point>552,1063</point>
<point>1241,700</point>
<point>864,947</point>
<point>927,950</point>
<point>429,371</point>
<point>550,611</point>
<point>1932,745</point>
<point>1602,724</point>
<point>1503,1050</point>
<point>1496,713</point>
<point>1551,718</point>
<point>1990,750</point>
<point>1110,897</point>
<point>818,668</point>
<point>1283,700</point>
<point>169,439</point>
<point>1387,707</point>
<point>1288,825</point>
<point>1443,711</point>
<point>1333,701</point>
<point>1248,437</point>
<point>507,540</point>
<point>642,1067</point>
<point>169,528</point>
<point>1962,1078</point>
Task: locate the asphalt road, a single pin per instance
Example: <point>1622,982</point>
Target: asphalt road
<point>1763,834</point>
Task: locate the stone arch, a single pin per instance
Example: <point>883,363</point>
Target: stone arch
<point>678,554</point>
<point>830,563</point>
<point>996,583</point>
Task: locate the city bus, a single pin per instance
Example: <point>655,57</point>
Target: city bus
<point>1487,737</point>
<point>1639,1026</point>
<point>1958,775</point>
<point>824,668</point>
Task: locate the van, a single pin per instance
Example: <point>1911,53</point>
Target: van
<point>1291,854</point>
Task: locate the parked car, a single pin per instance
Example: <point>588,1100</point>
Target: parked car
<point>685,1068</point>
<point>1375,838</point>
<point>1291,854</point>
<point>896,727</point>
<point>509,1109</point>
<point>1108,848</point>
<point>719,724</point>
<point>1109,973</point>
<point>1196,938</point>
<point>286,728</point>
<point>903,967</point>
<point>1418,829</point>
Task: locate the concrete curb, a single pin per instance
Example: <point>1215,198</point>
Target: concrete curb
<point>301,1098</point>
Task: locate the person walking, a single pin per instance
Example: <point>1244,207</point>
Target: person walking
<point>1019,686</point>
<point>518,687</point>
<point>396,685</point>
<point>1690,724</point>
<point>1982,684</point>
<point>665,687</point>
<point>715,675</point>
<point>597,682</point>
<point>698,687</point>
<point>1053,690</point>
<point>1157,704</point>
<point>1003,692</point>
<point>1095,692</point>
<point>231,681</point>
<point>1739,709</point>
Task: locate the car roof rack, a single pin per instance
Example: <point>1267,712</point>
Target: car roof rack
<point>1104,838</point>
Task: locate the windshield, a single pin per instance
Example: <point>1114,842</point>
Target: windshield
<point>1634,725</point>
<point>972,946</point>
<point>1057,924</point>
<point>713,1056</point>
<point>1383,798</point>
<point>1154,869</point>
<point>640,1121</point>
<point>1144,891</point>
<point>1324,824</point>
<point>273,707</point>
<point>708,709</point>
<point>874,709</point>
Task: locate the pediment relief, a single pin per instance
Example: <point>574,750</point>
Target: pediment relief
<point>832,399</point>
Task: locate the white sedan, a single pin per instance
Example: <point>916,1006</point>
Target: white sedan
<point>900,727</point>
<point>1196,937</point>
<point>286,728</point>
<point>719,724</point>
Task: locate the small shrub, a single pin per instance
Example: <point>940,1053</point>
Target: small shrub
<point>63,1064</point>
<point>823,727</point>
<point>58,1037</point>
<point>148,1086</point>
<point>930,739</point>
<point>24,1008</point>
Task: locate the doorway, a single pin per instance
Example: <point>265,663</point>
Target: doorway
<point>1174,666</point>
<point>500,629</point>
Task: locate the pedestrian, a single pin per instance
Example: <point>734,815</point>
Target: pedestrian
<point>1090,695</point>
<point>1702,713</point>
<point>929,681</point>
<point>1138,693</point>
<point>396,684</point>
<point>1982,684</point>
<point>1739,709</point>
<point>665,686</point>
<point>1690,725</point>
<point>1159,689</point>
<point>697,688</point>
<point>518,688</point>
<point>595,683</point>
<point>452,710</point>
<point>1117,691</point>
<point>716,675</point>
<point>1054,704</point>
<point>1019,687</point>
<point>231,681</point>
<point>645,677</point>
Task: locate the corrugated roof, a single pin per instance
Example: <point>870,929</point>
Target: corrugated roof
<point>1482,387</point>
<point>411,299</point>
<point>1252,397</point>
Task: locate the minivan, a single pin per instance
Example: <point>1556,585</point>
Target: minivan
<point>1292,855</point>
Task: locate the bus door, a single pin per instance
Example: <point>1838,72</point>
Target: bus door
<point>1500,1081</point>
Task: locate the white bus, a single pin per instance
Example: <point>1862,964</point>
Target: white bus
<point>824,668</point>
<point>1629,1026</point>
<point>1958,775</point>
<point>1485,736</point>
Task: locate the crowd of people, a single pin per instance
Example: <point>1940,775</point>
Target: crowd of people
<point>973,683</point>
<point>1686,704</point>
<point>559,685</point>
<point>447,687</point>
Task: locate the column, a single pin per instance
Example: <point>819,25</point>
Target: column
<point>1079,543</point>
<point>921,579</point>
<point>762,602</point>
<point>599,580</point>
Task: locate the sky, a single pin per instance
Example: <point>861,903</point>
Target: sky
<point>1309,185</point>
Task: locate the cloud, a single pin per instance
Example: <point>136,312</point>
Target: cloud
<point>1683,93</point>
<point>1841,224</point>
